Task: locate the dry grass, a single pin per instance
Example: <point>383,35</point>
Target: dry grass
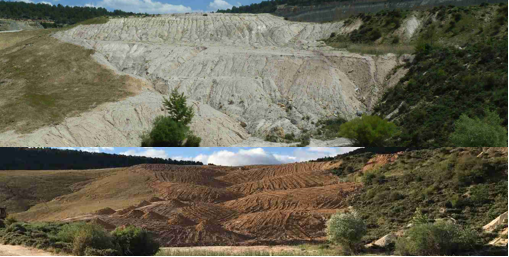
<point>118,189</point>
<point>44,80</point>
<point>22,189</point>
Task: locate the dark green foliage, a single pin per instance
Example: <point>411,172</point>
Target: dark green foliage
<point>330,128</point>
<point>479,132</point>
<point>441,238</point>
<point>304,140</point>
<point>88,237</point>
<point>16,227</point>
<point>166,132</point>
<point>471,189</point>
<point>59,15</point>
<point>56,159</point>
<point>192,141</point>
<point>290,137</point>
<point>10,220</point>
<point>172,130</point>
<point>133,241</point>
<point>2,224</point>
<point>368,131</point>
<point>177,108</point>
<point>445,83</point>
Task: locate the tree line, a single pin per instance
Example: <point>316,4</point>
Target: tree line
<point>13,158</point>
<point>59,14</point>
<point>270,6</point>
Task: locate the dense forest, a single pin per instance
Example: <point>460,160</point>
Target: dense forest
<point>59,14</point>
<point>13,158</point>
<point>271,5</point>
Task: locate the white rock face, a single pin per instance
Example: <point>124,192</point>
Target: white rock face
<point>258,69</point>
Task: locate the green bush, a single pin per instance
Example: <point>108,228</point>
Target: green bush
<point>133,241</point>
<point>173,130</point>
<point>177,108</point>
<point>305,139</point>
<point>16,227</point>
<point>86,236</point>
<point>480,194</point>
<point>370,178</point>
<point>166,132</point>
<point>2,224</point>
<point>368,131</point>
<point>347,230</point>
<point>192,140</point>
<point>440,238</point>
<point>475,132</point>
<point>10,220</point>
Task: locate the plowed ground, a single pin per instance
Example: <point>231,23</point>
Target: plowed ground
<point>250,205</point>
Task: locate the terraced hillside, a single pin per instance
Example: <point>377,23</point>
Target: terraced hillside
<point>200,205</point>
<point>269,75</point>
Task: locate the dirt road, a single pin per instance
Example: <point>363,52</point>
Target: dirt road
<point>16,250</point>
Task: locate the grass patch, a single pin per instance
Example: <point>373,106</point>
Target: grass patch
<point>44,80</point>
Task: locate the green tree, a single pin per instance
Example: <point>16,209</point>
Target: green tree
<point>347,230</point>
<point>173,130</point>
<point>477,132</point>
<point>133,241</point>
<point>439,238</point>
<point>368,131</point>
<point>177,108</point>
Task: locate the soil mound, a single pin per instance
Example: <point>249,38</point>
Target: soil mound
<point>155,199</point>
<point>165,207</point>
<point>204,211</point>
<point>105,211</point>
<point>180,220</point>
<point>154,216</point>
<point>286,182</point>
<point>142,204</point>
<point>134,214</point>
<point>326,197</point>
<point>195,193</point>
<point>126,210</point>
<point>102,223</point>
<point>280,225</point>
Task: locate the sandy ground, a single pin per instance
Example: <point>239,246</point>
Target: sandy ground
<point>16,250</point>
<point>235,249</point>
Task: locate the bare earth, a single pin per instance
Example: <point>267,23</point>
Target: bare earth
<point>16,250</point>
<point>236,249</point>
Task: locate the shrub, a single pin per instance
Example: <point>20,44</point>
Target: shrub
<point>10,220</point>
<point>370,178</point>
<point>304,140</point>
<point>192,141</point>
<point>290,137</point>
<point>172,130</point>
<point>440,238</point>
<point>346,229</point>
<point>419,217</point>
<point>479,194</point>
<point>368,131</point>
<point>177,108</point>
<point>84,236</point>
<point>2,224</point>
<point>16,227</point>
<point>166,132</point>
<point>476,132</point>
<point>133,241</point>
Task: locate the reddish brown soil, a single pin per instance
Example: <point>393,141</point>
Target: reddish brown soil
<point>251,205</point>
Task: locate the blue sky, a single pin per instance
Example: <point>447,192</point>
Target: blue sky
<point>153,6</point>
<point>228,156</point>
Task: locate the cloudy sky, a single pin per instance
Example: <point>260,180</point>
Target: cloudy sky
<point>228,156</point>
<point>153,6</point>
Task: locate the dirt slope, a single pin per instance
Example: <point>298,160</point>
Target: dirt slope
<point>203,205</point>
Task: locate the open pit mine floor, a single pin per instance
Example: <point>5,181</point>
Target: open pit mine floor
<point>188,206</point>
<point>247,76</point>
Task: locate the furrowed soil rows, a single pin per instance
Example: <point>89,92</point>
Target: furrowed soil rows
<point>214,205</point>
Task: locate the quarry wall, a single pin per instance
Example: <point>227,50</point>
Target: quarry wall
<point>343,10</point>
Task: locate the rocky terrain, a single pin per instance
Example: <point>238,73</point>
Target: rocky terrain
<point>247,76</point>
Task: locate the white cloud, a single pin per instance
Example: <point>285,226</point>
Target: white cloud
<point>260,156</point>
<point>89,5</point>
<point>48,3</point>
<point>144,6</point>
<point>88,149</point>
<point>219,4</point>
<point>146,151</point>
<point>26,1</point>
